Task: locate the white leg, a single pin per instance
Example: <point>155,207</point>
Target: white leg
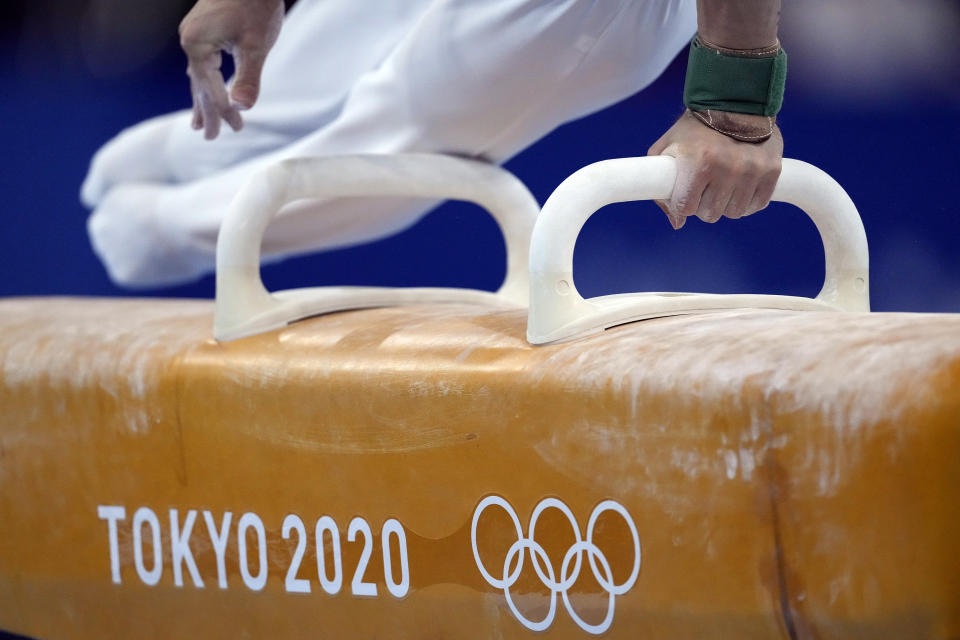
<point>482,78</point>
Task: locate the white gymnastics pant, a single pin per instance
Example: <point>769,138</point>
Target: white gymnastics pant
<point>477,78</point>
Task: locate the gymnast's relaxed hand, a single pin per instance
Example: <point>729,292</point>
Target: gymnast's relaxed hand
<point>246,29</point>
<point>716,174</point>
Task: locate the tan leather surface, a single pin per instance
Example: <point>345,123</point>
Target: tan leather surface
<point>789,474</point>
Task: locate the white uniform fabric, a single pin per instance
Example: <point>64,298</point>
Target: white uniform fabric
<point>477,78</point>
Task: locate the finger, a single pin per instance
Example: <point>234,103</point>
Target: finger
<point>736,207</point>
<point>688,188</point>
<point>233,118</point>
<point>215,105</point>
<point>214,102</point>
<point>764,192</point>
<point>715,197</point>
<point>202,81</point>
<point>221,100</point>
<point>196,121</point>
<point>657,147</point>
<point>663,147</point>
<point>211,117</point>
<point>739,203</point>
<point>676,221</point>
<point>211,93</point>
<point>246,82</point>
<point>217,90</point>
<point>199,54</point>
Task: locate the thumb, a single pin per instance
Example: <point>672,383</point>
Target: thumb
<point>663,146</point>
<point>246,82</point>
<point>676,221</point>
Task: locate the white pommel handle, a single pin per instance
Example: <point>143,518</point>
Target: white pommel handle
<point>244,306</point>
<point>559,312</point>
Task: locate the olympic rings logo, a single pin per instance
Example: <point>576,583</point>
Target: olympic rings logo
<point>569,568</point>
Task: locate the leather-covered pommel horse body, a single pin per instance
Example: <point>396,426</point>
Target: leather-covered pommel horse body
<point>423,471</point>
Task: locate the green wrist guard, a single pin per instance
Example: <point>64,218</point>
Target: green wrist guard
<point>734,83</point>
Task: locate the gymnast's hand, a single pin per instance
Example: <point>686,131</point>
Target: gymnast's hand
<point>717,175</point>
<point>246,29</point>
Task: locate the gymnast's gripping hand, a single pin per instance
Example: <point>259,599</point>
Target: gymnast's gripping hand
<point>717,175</point>
<point>246,29</point>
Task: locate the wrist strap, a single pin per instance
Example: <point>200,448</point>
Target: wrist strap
<point>738,81</point>
<point>732,125</point>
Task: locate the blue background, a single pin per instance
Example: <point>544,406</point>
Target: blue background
<point>897,161</point>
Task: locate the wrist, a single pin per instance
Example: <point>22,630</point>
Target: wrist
<point>766,51</point>
<point>741,81</point>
